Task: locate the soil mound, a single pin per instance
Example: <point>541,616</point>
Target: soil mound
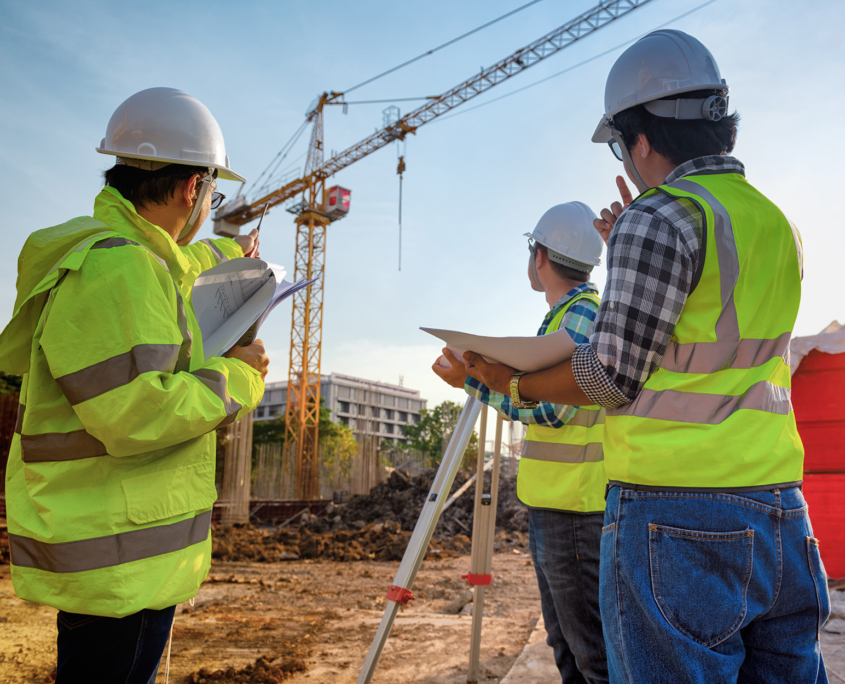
<point>378,526</point>
<point>264,670</point>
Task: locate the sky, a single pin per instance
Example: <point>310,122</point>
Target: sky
<point>476,181</point>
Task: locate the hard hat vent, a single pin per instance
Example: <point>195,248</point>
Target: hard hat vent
<point>715,108</point>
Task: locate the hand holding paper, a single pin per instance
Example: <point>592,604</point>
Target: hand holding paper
<point>524,353</point>
<point>450,369</point>
<point>234,298</point>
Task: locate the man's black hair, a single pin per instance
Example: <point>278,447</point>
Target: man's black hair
<point>679,140</point>
<point>143,188</point>
<point>562,271</point>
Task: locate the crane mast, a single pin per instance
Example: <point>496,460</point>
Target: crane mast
<point>303,392</point>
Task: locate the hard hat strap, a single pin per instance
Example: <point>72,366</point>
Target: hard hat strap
<point>626,157</point>
<point>533,264</point>
<point>201,195</point>
<point>713,108</point>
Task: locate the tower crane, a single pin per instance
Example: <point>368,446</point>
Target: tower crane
<point>319,208</point>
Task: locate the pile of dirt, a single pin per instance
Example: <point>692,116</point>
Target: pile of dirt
<point>376,541</point>
<point>400,499</point>
<point>263,671</point>
<point>378,526</point>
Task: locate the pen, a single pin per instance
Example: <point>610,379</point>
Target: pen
<point>253,251</point>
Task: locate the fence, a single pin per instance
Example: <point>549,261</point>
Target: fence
<point>8,420</point>
<point>274,473</point>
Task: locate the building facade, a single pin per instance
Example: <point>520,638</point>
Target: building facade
<point>369,408</point>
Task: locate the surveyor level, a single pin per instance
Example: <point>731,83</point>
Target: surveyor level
<point>479,575</point>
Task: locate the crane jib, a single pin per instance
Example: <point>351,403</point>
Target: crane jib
<point>562,37</point>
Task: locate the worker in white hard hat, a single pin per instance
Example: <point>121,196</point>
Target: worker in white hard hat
<point>561,475</point>
<point>111,475</point>
<point>710,571</point>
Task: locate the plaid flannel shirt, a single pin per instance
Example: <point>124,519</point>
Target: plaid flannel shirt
<point>652,257</point>
<point>578,322</point>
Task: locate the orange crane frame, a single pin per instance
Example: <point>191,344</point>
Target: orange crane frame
<point>302,412</point>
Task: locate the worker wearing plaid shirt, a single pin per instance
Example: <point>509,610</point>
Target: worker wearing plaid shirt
<point>709,567</point>
<point>561,473</point>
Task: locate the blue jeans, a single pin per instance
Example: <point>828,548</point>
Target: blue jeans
<point>111,650</point>
<point>565,550</point>
<point>707,587</point>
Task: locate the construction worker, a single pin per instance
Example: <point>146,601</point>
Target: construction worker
<point>561,475</point>
<point>709,571</point>
<point>110,480</point>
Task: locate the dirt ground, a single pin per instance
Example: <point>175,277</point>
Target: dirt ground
<point>315,619</point>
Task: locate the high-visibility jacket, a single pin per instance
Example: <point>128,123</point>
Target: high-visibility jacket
<point>110,480</point>
<point>717,412</point>
<point>562,468</point>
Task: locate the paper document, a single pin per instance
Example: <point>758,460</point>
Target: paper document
<point>522,353</point>
<point>234,298</point>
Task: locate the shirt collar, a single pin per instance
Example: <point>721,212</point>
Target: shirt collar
<point>710,163</point>
<point>583,288</point>
<point>120,215</point>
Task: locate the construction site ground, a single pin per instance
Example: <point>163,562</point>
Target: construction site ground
<point>313,621</point>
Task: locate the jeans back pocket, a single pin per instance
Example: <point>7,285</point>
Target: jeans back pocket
<point>700,580</point>
<point>819,580</point>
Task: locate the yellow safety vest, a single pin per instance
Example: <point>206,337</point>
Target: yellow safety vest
<point>717,412</point>
<point>562,468</point>
<point>110,481</point>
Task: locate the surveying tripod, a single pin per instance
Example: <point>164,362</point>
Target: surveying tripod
<point>483,530</point>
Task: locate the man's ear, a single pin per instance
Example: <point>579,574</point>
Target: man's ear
<point>643,145</point>
<point>188,189</point>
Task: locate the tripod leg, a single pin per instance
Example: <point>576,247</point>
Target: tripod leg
<point>400,590</point>
<point>483,537</point>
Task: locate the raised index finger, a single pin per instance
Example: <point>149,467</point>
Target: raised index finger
<point>624,192</point>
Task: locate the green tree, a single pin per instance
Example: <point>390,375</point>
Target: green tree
<point>336,441</point>
<point>435,427</point>
<point>10,384</point>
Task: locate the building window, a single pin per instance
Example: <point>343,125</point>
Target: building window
<point>403,417</point>
<point>388,413</point>
<point>274,410</point>
<point>373,411</point>
<point>344,420</point>
<point>343,406</point>
<point>387,427</point>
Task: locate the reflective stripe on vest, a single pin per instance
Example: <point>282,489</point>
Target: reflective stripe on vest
<point>717,412</point>
<point>99,378</point>
<point>561,468</point>
<point>215,250</point>
<point>111,550</point>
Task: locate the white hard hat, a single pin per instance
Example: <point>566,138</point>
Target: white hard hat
<point>663,63</point>
<point>567,231</point>
<point>167,126</point>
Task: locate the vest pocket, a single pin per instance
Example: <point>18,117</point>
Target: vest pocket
<point>700,580</point>
<point>168,493</point>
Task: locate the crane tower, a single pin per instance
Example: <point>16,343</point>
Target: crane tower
<point>318,209</point>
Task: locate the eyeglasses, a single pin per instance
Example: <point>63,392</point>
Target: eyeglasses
<point>217,199</point>
<point>615,148</point>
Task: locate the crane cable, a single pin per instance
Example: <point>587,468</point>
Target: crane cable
<point>440,47</point>
<point>279,158</point>
<point>574,66</point>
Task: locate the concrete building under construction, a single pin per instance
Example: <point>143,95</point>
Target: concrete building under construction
<point>368,407</point>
